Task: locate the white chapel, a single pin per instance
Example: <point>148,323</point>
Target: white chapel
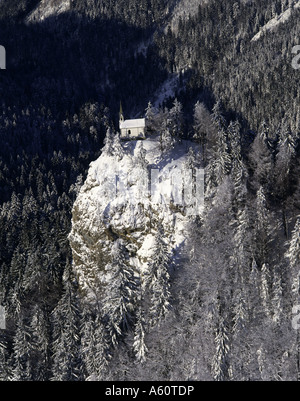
<point>131,129</point>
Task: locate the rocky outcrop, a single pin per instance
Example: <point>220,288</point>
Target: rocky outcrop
<point>118,201</point>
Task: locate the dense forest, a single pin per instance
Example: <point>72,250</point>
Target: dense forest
<point>232,293</point>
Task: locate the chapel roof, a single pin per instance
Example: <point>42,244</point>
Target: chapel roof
<point>137,123</point>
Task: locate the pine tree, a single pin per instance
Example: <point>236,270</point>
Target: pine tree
<point>242,239</point>
<point>108,143</point>
<point>293,255</point>
<point>239,335</point>
<point>265,289</point>
<point>67,365</point>
<point>263,229</point>
<point>234,138</point>
<point>220,363</point>
<point>254,298</point>
<point>118,150</point>
<point>202,128</point>
<point>5,366</point>
<point>140,170</point>
<point>22,370</point>
<point>219,158</point>
<point>140,155</point>
<point>94,347</point>
<point>261,159</point>
<point>190,159</point>
<point>121,293</point>
<point>158,279</point>
<point>284,161</point>
<point>139,346</point>
<point>277,299</point>
<point>40,348</point>
<point>176,120</point>
<point>240,315</point>
<point>167,141</point>
<point>150,116</point>
<point>239,172</point>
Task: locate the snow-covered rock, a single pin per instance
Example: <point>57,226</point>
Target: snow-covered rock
<point>48,8</point>
<point>126,199</point>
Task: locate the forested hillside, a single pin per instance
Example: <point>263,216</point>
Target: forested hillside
<point>232,292</point>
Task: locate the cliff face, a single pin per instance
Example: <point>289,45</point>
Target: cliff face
<point>127,196</point>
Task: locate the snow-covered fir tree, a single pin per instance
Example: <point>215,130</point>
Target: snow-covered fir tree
<point>67,363</point>
<point>139,344</point>
<point>108,143</point>
<point>121,293</point>
<point>220,364</point>
<point>158,280</point>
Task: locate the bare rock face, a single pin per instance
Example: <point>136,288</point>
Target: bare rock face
<point>118,201</point>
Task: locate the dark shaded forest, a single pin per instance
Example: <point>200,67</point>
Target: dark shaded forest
<point>60,93</point>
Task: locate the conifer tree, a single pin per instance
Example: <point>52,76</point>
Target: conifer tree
<point>139,346</point>
<point>167,141</point>
<point>158,279</point>
<point>176,120</point>
<point>239,310</point>
<point>220,363</point>
<point>219,158</point>
<point>40,344</point>
<point>191,159</point>
<point>265,289</point>
<point>261,159</point>
<point>242,239</point>
<point>118,150</point>
<point>239,335</point>
<point>150,116</point>
<point>140,169</point>
<point>121,293</point>
<point>22,370</point>
<point>254,302</point>
<point>277,299</point>
<point>140,155</point>
<point>67,364</point>
<point>94,347</point>
<point>202,128</point>
<point>108,143</point>
<point>234,139</point>
<point>293,255</point>
<point>5,367</point>
<point>263,230</point>
<point>284,160</point>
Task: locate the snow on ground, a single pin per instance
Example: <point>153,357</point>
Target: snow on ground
<point>274,22</point>
<point>46,9</point>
